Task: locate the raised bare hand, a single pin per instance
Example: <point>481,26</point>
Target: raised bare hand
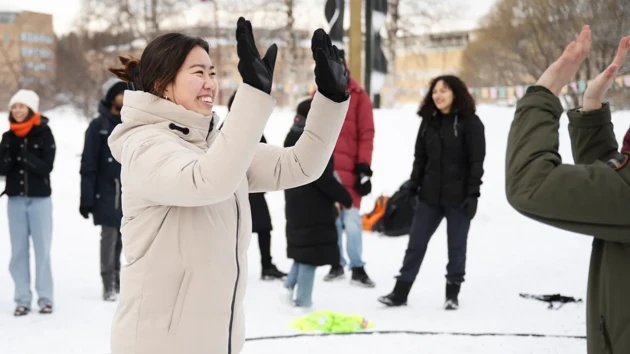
<point>560,73</point>
<point>594,95</point>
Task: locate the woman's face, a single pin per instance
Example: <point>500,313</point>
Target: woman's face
<point>19,112</point>
<point>443,97</point>
<point>195,85</point>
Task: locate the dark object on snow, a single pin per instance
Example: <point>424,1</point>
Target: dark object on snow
<point>398,213</point>
<point>551,299</point>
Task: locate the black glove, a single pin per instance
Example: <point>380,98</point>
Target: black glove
<point>413,187</point>
<point>255,71</point>
<point>330,74</point>
<point>363,185</point>
<point>470,205</point>
<point>85,211</point>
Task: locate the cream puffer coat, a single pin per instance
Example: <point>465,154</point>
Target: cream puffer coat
<point>187,224</point>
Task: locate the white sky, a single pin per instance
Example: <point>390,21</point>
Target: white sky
<point>64,11</point>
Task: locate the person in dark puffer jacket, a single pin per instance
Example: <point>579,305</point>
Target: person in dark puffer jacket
<point>101,189</point>
<point>27,154</point>
<point>261,225</point>
<point>311,230</point>
<point>446,177</point>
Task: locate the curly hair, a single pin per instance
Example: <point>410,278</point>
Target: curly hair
<point>463,102</point>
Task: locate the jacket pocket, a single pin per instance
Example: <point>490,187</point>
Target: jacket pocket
<point>117,195</point>
<point>179,302</point>
<point>607,343</point>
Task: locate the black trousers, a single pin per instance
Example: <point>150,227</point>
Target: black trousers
<point>111,248</point>
<point>426,220</point>
<point>264,243</point>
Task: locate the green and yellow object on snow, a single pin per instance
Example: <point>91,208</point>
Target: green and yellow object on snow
<point>331,322</point>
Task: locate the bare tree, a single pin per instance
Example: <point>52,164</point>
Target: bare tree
<point>519,39</point>
<point>142,18</point>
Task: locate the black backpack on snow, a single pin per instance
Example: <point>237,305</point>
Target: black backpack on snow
<point>396,220</point>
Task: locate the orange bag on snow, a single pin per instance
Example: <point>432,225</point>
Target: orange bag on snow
<point>376,214</point>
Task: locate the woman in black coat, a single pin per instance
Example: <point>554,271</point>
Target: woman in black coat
<point>311,212</point>
<point>446,176</point>
<point>27,155</point>
<point>101,189</point>
<point>261,225</point>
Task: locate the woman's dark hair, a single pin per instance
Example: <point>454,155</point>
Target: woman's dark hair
<point>159,63</point>
<point>29,116</point>
<point>463,102</point>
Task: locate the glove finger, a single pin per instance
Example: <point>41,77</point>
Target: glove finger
<point>328,45</point>
<point>251,40</point>
<point>317,41</point>
<point>242,47</point>
<point>240,27</point>
<point>270,57</point>
<point>321,61</point>
<point>336,56</point>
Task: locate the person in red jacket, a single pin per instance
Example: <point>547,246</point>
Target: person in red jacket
<point>352,159</point>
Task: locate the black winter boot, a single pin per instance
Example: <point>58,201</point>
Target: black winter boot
<point>360,278</point>
<point>452,291</point>
<point>272,273</point>
<point>336,272</point>
<point>398,297</point>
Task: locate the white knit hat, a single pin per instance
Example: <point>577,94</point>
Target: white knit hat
<point>26,97</point>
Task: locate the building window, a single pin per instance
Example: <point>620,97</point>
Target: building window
<point>35,80</point>
<point>30,66</point>
<point>35,38</point>
<point>7,18</point>
<point>36,52</point>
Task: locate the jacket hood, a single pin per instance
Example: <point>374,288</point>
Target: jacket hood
<point>104,111</point>
<point>141,109</point>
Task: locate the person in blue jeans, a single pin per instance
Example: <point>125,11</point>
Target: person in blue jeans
<point>310,229</point>
<point>353,160</point>
<point>27,154</point>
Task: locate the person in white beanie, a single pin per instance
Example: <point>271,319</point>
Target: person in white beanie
<point>27,154</point>
<point>100,184</point>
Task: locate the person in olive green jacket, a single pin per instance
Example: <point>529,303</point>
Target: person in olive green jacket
<point>591,197</point>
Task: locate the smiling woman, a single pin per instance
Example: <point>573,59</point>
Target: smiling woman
<point>185,229</point>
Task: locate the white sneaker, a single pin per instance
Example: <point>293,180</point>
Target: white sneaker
<point>286,296</point>
<point>301,310</point>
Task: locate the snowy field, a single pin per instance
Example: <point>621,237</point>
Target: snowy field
<point>507,254</point>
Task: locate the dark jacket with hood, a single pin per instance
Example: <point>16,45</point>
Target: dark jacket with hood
<point>28,161</point>
<point>449,155</point>
<point>311,213</point>
<point>100,172</point>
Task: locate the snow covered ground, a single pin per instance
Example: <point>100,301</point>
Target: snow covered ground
<point>507,254</point>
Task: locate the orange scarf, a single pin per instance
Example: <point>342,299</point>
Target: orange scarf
<point>22,129</point>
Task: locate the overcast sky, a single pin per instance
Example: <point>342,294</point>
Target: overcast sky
<point>64,11</point>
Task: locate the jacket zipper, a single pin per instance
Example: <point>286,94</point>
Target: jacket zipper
<point>25,170</point>
<point>604,331</point>
<point>441,157</point>
<point>117,196</point>
<point>238,273</point>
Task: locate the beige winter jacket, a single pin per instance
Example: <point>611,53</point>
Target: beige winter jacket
<point>187,223</point>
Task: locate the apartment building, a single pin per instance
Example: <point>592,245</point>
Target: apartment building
<point>27,50</point>
<point>421,58</point>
